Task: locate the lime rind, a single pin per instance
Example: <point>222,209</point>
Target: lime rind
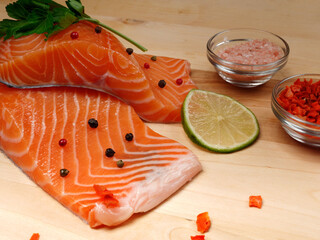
<point>196,138</point>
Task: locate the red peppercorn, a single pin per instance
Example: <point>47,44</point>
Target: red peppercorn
<point>62,142</point>
<point>179,81</point>
<point>146,65</point>
<point>74,35</point>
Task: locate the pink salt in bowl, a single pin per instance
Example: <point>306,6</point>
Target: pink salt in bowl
<point>247,57</point>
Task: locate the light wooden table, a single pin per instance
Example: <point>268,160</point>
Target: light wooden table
<point>285,172</point>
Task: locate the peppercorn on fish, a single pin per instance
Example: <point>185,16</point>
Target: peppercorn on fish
<point>91,152</point>
<point>80,56</point>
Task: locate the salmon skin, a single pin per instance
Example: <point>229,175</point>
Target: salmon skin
<point>98,61</point>
<point>79,174</point>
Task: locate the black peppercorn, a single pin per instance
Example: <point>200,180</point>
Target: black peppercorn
<point>98,29</point>
<point>129,51</point>
<point>129,136</point>
<point>64,172</point>
<point>154,58</point>
<point>162,83</point>
<point>93,123</point>
<point>110,152</point>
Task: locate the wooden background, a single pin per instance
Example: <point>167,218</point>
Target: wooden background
<point>285,172</point>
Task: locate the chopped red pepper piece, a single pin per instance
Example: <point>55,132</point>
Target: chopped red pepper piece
<point>108,199</point>
<point>255,201</point>
<point>197,237</point>
<point>102,191</point>
<point>313,113</point>
<point>35,236</point>
<point>203,222</point>
<point>315,106</point>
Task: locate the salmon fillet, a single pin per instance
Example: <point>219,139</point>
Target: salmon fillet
<point>98,61</point>
<point>97,188</point>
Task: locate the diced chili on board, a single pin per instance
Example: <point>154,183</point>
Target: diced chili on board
<point>255,201</point>
<point>107,196</point>
<point>203,222</point>
<point>35,236</point>
<point>197,237</point>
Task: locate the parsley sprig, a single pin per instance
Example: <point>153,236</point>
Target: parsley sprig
<point>47,17</point>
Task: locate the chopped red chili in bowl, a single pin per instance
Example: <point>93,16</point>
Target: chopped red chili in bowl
<point>296,103</point>
<point>302,99</point>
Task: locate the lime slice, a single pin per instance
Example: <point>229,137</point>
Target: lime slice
<point>218,122</point>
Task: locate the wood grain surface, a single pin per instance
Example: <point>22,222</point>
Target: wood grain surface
<point>284,172</point>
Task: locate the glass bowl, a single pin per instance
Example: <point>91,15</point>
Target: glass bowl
<point>245,75</point>
<point>299,129</point>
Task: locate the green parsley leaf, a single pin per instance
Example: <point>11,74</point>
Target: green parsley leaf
<point>46,17</point>
<point>17,10</point>
<point>6,27</point>
<point>35,16</point>
<point>63,17</point>
<point>76,7</point>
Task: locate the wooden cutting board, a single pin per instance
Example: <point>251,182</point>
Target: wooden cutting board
<point>284,172</point>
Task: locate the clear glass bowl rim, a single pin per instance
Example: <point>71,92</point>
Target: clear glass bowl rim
<point>285,112</point>
<point>282,59</point>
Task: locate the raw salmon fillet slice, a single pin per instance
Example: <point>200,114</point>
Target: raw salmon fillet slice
<point>33,121</point>
<point>98,61</point>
